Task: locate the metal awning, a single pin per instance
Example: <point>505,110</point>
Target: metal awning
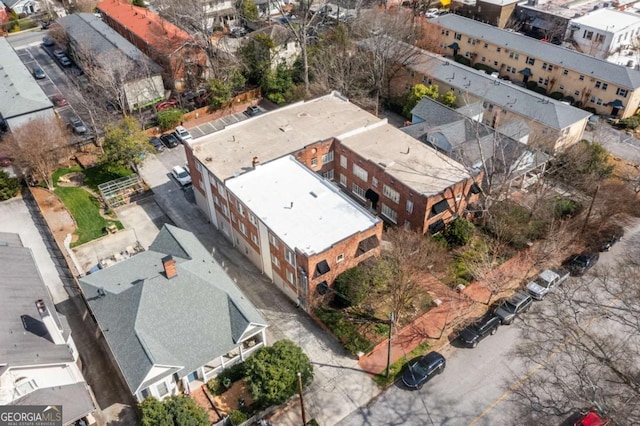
<point>439,207</point>
<point>615,104</point>
<point>367,244</point>
<point>475,188</point>
<point>437,226</point>
<point>454,46</point>
<point>526,71</point>
<point>543,24</point>
<point>322,268</point>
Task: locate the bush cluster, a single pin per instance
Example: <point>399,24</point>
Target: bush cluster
<point>345,330</point>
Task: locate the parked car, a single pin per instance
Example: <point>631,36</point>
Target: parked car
<point>579,264</point>
<point>47,41</point>
<point>65,61</point>
<point>182,134</point>
<point>5,160</point>
<point>59,101</point>
<point>169,140</point>
<point>161,106</point>
<point>485,326</point>
<point>543,284</point>
<point>77,125</point>
<point>592,418</point>
<point>38,73</point>
<point>605,238</point>
<point>59,53</point>
<point>252,111</point>
<point>157,144</point>
<point>509,309</point>
<point>421,371</point>
<point>238,32</point>
<point>181,175</point>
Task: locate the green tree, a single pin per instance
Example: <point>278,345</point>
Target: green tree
<point>220,93</point>
<point>278,83</point>
<point>9,186</point>
<point>125,144</point>
<point>584,165</point>
<point>448,99</point>
<point>186,412</point>
<point>237,417</point>
<point>351,286</point>
<point>459,232</point>
<point>170,118</point>
<point>155,413</point>
<point>256,55</point>
<point>249,10</point>
<point>415,95</point>
<point>272,372</point>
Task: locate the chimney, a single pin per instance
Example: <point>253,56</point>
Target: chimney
<point>49,322</point>
<point>254,162</point>
<point>169,266</point>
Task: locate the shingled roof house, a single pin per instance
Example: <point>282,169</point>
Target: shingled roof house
<point>171,315</point>
<point>39,362</point>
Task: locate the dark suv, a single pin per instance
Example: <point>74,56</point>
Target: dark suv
<point>421,371</point>
<point>509,309</point>
<point>579,264</point>
<point>480,329</point>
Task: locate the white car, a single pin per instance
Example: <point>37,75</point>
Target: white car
<point>545,282</point>
<point>182,134</point>
<point>181,175</point>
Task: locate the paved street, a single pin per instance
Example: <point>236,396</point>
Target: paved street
<point>618,142</point>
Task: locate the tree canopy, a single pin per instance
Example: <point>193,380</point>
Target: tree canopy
<point>177,410</point>
<point>125,144</point>
<point>415,95</point>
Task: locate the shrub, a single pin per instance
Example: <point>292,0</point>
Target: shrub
<point>556,95</point>
<point>629,122</point>
<point>9,186</point>
<point>237,417</point>
<point>170,118</point>
<point>463,60</point>
<point>345,330</point>
<point>540,89</point>
<point>565,208</point>
<point>459,232</point>
<point>232,374</point>
<point>272,372</point>
<point>531,84</point>
<point>351,287</point>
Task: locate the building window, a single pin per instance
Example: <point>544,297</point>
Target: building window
<point>343,180</point>
<point>483,59</point>
<point>587,34</point>
<point>409,206</point>
<point>547,67</point>
<point>458,36</point>
<point>604,86</point>
<point>561,87</point>
<point>576,93</point>
<point>514,55</point>
<point>288,255</point>
<point>290,277</point>
<point>592,99</point>
<point>360,173</point>
<point>486,45</point>
<point>531,61</point>
<point>358,191</point>
<point>253,219</point>
<point>389,213</point>
<point>162,389</point>
<point>340,258</point>
<point>343,161</point>
<point>565,72</point>
<point>243,228</point>
<point>328,174</point>
<point>374,182</point>
<point>240,209</point>
<point>222,191</point>
<point>255,239</point>
<point>225,210</point>
<point>599,101</point>
<point>314,161</point>
<point>622,92</point>
<point>391,193</point>
<point>275,261</point>
<point>598,83</point>
<point>216,201</point>
<point>327,158</point>
<point>581,78</point>
<point>495,63</point>
<point>498,49</point>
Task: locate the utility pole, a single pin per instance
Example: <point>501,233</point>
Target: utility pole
<point>389,345</point>
<point>586,219</point>
<point>304,418</point>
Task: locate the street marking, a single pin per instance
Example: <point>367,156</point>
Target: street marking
<point>531,372</point>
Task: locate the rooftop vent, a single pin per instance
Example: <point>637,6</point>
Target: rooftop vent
<point>286,128</point>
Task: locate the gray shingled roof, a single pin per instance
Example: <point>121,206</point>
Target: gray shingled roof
<point>104,43</point>
<point>24,339</point>
<point>20,94</point>
<point>182,322</point>
<point>548,52</point>
<point>75,400</point>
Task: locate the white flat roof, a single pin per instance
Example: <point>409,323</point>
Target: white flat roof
<point>302,209</point>
<point>608,20</point>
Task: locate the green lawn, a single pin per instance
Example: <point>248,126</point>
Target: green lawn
<point>395,369</point>
<point>83,206</point>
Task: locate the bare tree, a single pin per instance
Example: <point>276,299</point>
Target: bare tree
<point>585,348</point>
<point>38,147</point>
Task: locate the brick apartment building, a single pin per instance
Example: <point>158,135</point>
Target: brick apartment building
<point>387,172</point>
<point>182,58</point>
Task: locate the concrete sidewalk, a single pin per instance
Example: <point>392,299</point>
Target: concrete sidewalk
<point>340,385</point>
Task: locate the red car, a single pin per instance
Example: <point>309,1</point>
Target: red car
<point>166,104</point>
<point>5,160</point>
<point>59,101</point>
<point>591,418</point>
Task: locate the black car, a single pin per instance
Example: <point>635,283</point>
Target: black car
<point>421,371</point>
<point>579,264</point>
<point>474,333</point>
<point>169,140</point>
<point>157,144</point>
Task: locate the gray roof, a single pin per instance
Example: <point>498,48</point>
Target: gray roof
<point>104,44</point>
<point>182,322</point>
<point>548,52</point>
<point>279,34</point>
<point>19,91</point>
<point>75,400</point>
<point>24,339</point>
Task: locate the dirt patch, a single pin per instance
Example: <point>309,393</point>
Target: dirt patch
<point>230,400</point>
<point>57,216</point>
<point>71,179</point>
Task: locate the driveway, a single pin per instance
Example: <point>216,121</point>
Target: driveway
<point>340,386</point>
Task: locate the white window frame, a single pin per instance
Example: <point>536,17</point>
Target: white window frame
<point>290,257</point>
<point>163,386</point>
<point>389,213</point>
<point>314,161</point>
<point>225,210</point>
<point>343,161</point>
<point>360,173</point>
<point>290,277</point>
<point>328,174</point>
<point>358,191</point>
<point>255,239</point>
<point>343,180</point>
<point>275,261</point>
<point>409,206</point>
<point>391,193</point>
<point>327,158</point>
<point>340,258</point>
<point>243,228</point>
<point>374,181</point>
<point>240,208</point>
<point>253,219</point>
